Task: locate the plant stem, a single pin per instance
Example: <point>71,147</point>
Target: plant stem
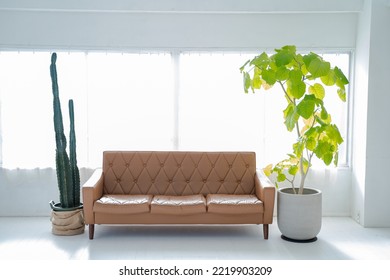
<point>292,183</point>
<point>303,175</point>
<point>285,93</point>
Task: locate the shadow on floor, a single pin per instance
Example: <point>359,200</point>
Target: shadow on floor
<point>201,242</point>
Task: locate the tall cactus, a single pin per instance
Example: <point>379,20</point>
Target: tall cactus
<point>74,170</point>
<point>67,171</point>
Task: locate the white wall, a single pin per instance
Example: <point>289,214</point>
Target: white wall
<point>58,30</point>
<point>371,187</point>
<point>377,193</point>
<point>176,24</point>
<point>171,25</point>
<point>359,128</point>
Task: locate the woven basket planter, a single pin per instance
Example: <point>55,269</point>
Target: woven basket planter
<point>68,222</point>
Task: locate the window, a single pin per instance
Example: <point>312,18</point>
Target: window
<point>130,103</point>
<point>122,101</point>
<point>158,101</point>
<point>214,113</point>
<point>25,110</point>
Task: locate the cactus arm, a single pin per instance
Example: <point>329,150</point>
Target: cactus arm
<point>58,125</point>
<point>62,161</point>
<point>73,159</point>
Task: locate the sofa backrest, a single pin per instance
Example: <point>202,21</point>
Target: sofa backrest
<point>178,173</point>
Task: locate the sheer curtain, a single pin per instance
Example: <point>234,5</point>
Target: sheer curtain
<point>130,103</point>
<point>138,102</point>
<point>26,106</point>
<point>214,112</point>
<point>122,101</point>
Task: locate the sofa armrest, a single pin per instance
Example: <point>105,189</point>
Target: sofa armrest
<point>92,191</point>
<point>265,191</point>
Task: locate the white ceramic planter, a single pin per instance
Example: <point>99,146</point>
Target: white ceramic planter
<point>299,216</point>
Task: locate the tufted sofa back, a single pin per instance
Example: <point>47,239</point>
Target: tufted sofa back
<point>179,173</point>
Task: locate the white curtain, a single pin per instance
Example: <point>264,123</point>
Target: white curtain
<point>138,102</point>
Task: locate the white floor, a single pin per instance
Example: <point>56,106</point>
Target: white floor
<point>340,239</point>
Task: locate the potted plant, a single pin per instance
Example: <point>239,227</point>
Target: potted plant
<point>303,79</point>
<point>67,215</point>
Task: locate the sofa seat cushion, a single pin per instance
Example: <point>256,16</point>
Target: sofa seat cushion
<point>178,205</point>
<point>123,204</point>
<point>234,204</point>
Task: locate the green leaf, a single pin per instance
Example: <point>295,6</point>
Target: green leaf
<point>268,170</point>
<point>330,79</point>
<point>261,61</point>
<point>296,90</point>
<point>272,65</point>
<point>304,69</point>
<point>342,94</point>
<point>320,121</point>
<point>282,74</point>
<point>327,158</point>
<point>256,80</point>
<point>334,134</point>
<point>312,132</point>
<point>290,117</point>
<point>296,76</point>
<point>311,143</point>
<point>277,168</point>
<point>306,164</point>
<point>307,59</point>
<point>318,91</point>
<point>283,57</point>
<point>318,67</point>
<point>293,170</point>
<point>336,158</point>
<point>324,114</point>
<point>269,76</point>
<point>322,148</point>
<point>298,63</point>
<point>290,48</point>
<point>292,156</point>
<point>340,76</point>
<point>298,148</point>
<point>306,107</point>
<point>281,177</point>
<point>247,81</point>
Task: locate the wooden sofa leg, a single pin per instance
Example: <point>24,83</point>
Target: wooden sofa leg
<point>265,231</point>
<point>91,231</point>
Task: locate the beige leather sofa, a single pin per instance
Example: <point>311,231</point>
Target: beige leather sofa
<point>178,188</point>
